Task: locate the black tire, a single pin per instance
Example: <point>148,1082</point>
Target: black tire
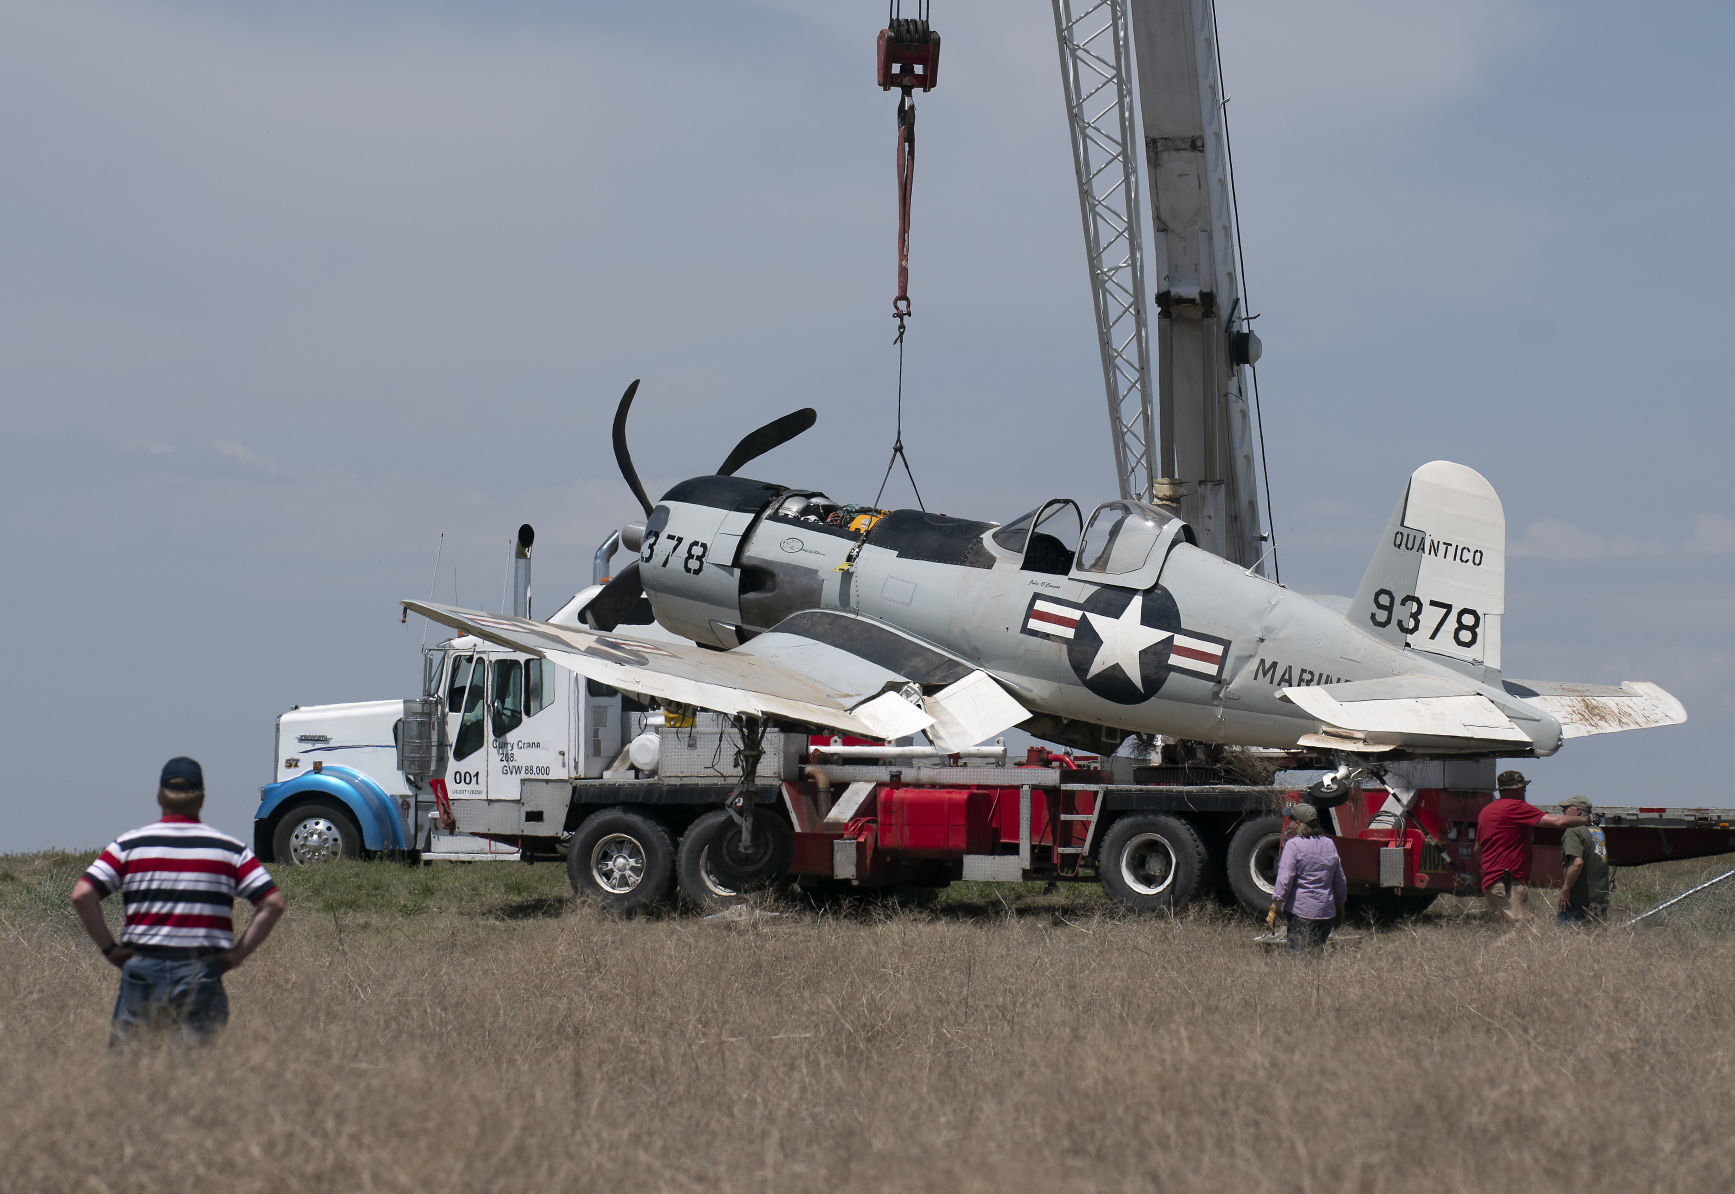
<point>1253,851</point>
<point>315,832</point>
<point>620,860</point>
<point>713,872</point>
<point>1152,862</point>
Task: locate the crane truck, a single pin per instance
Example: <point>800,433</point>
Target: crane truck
<point>505,755</point>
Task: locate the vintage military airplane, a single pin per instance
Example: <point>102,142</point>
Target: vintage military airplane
<point>885,623</point>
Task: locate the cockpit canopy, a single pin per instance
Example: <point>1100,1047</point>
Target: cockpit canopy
<point>1046,538</point>
<point>1126,542</point>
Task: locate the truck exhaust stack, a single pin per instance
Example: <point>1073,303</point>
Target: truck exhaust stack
<point>521,571</point>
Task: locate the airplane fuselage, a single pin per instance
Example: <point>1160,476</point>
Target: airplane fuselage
<point>1130,629</point>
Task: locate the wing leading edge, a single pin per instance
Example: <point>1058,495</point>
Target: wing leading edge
<point>780,675</point>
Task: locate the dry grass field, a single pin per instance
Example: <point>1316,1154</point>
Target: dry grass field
<point>470,1028</point>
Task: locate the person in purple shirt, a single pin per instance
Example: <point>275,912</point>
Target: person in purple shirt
<point>1310,887</point>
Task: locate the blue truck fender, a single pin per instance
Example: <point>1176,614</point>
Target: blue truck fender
<point>375,813</point>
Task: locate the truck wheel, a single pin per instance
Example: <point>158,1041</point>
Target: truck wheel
<point>712,869</point>
<point>1151,863</point>
<point>1253,851</point>
<point>620,860</point>
<point>311,833</point>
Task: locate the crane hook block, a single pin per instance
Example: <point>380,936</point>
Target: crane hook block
<point>909,55</point>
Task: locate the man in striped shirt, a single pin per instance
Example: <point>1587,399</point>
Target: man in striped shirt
<point>178,879</point>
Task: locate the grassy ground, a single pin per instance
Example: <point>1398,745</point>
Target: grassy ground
<point>469,1027</point>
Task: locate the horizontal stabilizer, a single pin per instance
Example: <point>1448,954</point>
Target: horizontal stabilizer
<point>1585,709</point>
<point>1414,710</point>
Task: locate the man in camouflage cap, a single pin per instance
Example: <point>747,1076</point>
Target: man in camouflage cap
<point>1584,886</point>
<point>1503,837</point>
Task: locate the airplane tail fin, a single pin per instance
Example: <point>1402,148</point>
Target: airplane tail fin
<point>1437,582</point>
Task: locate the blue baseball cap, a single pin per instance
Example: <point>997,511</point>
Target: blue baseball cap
<point>181,774</point>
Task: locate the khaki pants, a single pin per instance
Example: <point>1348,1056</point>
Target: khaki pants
<point>1508,899</point>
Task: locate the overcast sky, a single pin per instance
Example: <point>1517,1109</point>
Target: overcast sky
<point>287,292</point>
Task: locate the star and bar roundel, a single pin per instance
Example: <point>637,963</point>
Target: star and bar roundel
<point>1122,646</point>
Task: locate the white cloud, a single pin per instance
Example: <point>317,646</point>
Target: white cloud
<point>242,454</point>
<point>1552,538</point>
<point>1713,535</point>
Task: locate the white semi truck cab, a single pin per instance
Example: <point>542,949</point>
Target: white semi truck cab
<point>502,755</point>
<point>492,746</point>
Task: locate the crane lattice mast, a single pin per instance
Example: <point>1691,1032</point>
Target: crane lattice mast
<point>1096,73</point>
<point>1200,424</point>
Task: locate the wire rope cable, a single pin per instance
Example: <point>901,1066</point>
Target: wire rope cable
<point>898,452</point>
<point>1241,282</point>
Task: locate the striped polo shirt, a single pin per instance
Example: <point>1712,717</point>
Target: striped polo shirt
<point>178,879</point>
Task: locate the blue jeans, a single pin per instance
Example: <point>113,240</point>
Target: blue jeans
<point>1306,934</point>
<point>183,996</point>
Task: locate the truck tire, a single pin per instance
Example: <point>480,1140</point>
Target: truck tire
<point>1253,851</point>
<point>314,833</point>
<point>713,872</point>
<point>620,860</point>
<point>1152,863</point>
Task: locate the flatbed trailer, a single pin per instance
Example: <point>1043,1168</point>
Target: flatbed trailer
<point>862,823</point>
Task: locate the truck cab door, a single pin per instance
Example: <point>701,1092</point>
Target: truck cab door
<point>466,727</point>
<point>527,725</point>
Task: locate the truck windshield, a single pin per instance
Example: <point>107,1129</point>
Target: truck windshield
<point>465,695</point>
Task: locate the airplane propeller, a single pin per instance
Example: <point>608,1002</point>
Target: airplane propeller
<point>761,440</point>
<point>623,591</point>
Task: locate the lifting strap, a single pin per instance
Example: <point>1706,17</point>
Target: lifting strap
<point>906,182</point>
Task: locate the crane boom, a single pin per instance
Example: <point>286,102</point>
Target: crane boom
<point>1096,73</point>
<point>1200,422</point>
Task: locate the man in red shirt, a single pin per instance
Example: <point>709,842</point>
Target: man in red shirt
<point>1503,833</point>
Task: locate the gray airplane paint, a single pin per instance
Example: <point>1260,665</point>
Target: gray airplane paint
<point>1152,635</point>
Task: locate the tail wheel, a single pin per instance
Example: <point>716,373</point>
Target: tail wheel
<point>315,833</point>
<point>1254,848</point>
<point>621,860</point>
<point>714,871</point>
<point>1152,863</point>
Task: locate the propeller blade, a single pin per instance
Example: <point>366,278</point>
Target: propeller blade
<point>615,604</point>
<point>774,434</point>
<point>624,458</point>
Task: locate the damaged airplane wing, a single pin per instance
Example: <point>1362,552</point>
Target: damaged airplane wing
<point>1585,709</point>
<point>781,674</point>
